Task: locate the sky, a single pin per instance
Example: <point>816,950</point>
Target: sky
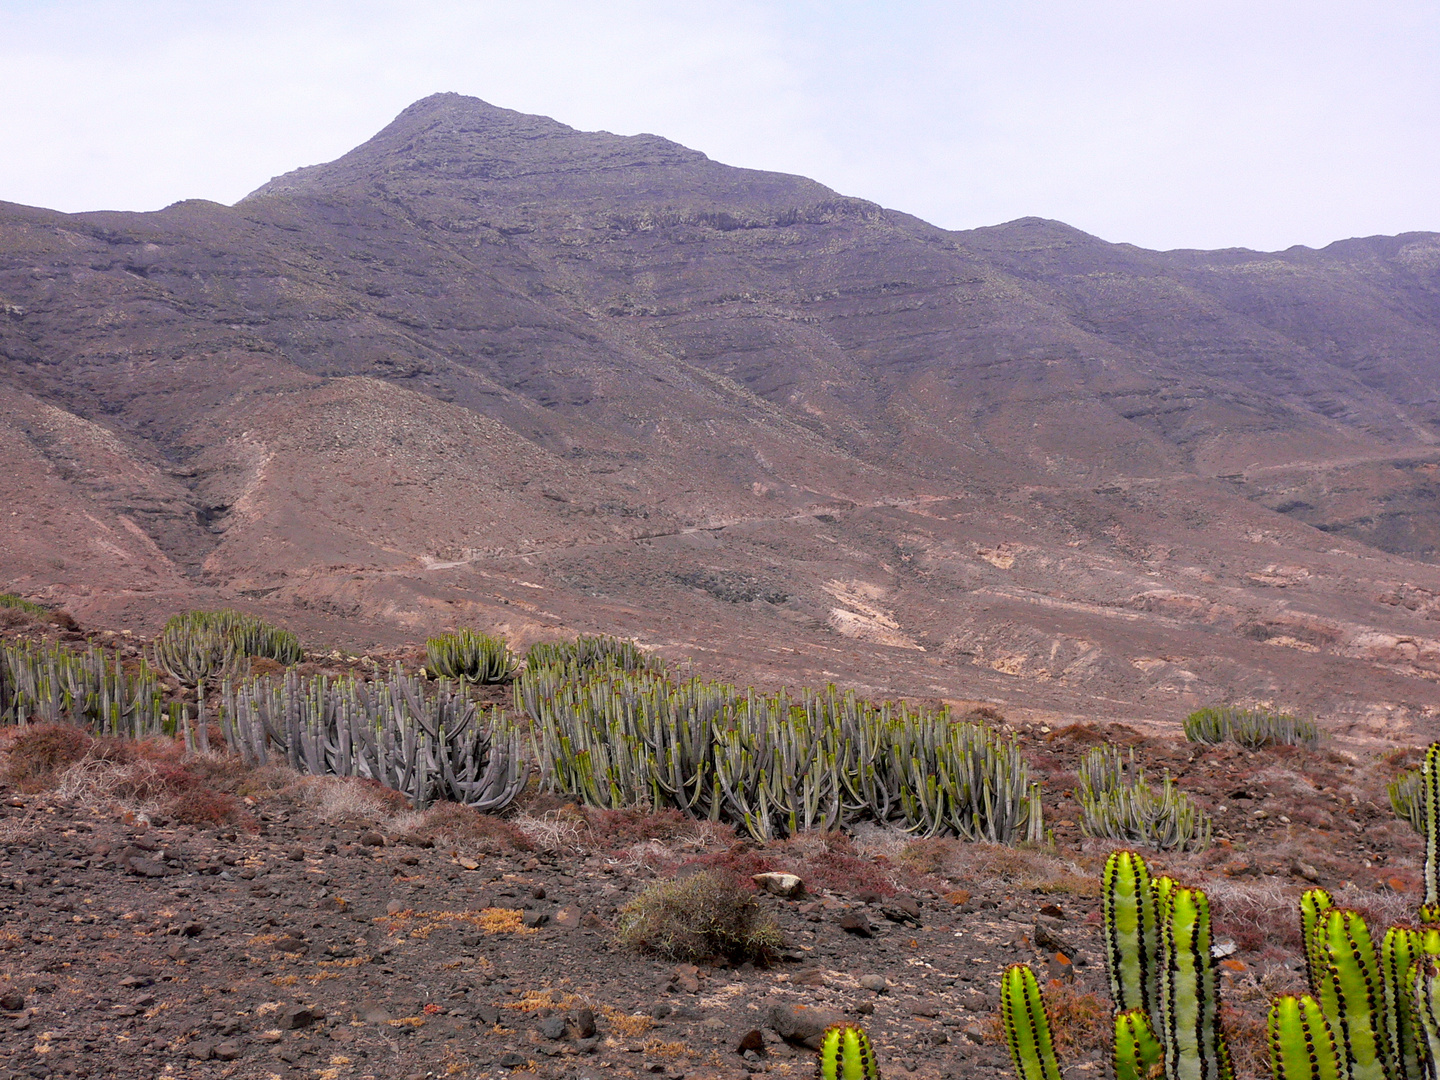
<point>1203,123</point>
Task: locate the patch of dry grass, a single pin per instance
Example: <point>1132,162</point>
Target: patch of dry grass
<point>700,917</point>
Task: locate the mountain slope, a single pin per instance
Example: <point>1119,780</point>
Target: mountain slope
<point>488,367</point>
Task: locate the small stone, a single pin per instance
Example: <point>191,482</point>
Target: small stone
<point>296,1017</point>
<point>786,885</point>
<point>537,892</point>
<point>687,978</point>
<point>552,1027</point>
<point>297,854</point>
<point>193,929</point>
<point>513,1060</point>
<point>394,907</point>
<point>291,944</point>
<point>752,1040</point>
<point>12,1001</point>
<point>581,1023</point>
<point>202,1051</point>
<point>660,1010</point>
<point>467,864</point>
<point>567,917</point>
<point>144,867</point>
<point>876,983</point>
<point>371,839</point>
<point>532,919</point>
<point>927,1009</point>
<point>801,1023</point>
<point>852,922</point>
<point>227,1051</point>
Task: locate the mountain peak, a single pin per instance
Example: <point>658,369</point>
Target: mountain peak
<point>465,139</point>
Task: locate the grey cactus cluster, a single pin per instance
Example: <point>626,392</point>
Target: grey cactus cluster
<point>773,764</point>
<point>588,651</point>
<point>200,646</point>
<point>91,688</point>
<point>1250,728</point>
<point>1117,802</point>
<point>429,743</point>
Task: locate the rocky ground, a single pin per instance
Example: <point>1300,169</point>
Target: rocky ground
<point>330,932</point>
<point>164,915</point>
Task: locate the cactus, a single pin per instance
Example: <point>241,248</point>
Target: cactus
<point>1425,991</point>
<point>1195,1047</point>
<point>1430,797</point>
<point>1132,941</point>
<point>1136,813</point>
<point>846,1054</point>
<point>773,764</point>
<point>1350,992</point>
<point>1027,1026</point>
<point>591,652</point>
<point>1251,728</point>
<point>1302,1045</point>
<point>19,603</point>
<point>1138,1053</point>
<point>1406,801</point>
<point>1313,906</point>
<point>202,645</point>
<point>471,657</point>
<point>89,689</point>
<point>1400,948</point>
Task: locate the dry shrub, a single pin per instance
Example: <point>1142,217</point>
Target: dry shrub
<point>739,861</point>
<point>1249,1043</point>
<point>705,915</point>
<point>992,865</point>
<point>151,776</point>
<point>616,830</point>
<point>1080,1021</point>
<point>266,781</point>
<point>347,800</point>
<point>561,829</point>
<point>453,823</point>
<point>1254,915</point>
<point>37,754</point>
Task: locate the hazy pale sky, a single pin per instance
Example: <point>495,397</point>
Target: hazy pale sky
<point>1203,123</point>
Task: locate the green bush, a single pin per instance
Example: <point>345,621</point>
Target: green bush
<point>592,652</point>
<point>201,645</point>
<point>19,603</point>
<point>1251,728</point>
<point>470,657</point>
<point>1118,803</point>
<point>704,916</point>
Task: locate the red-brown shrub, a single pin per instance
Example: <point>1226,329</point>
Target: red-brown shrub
<point>40,752</point>
<point>206,806</point>
<point>453,822</point>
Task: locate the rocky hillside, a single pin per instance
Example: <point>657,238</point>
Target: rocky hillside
<point>486,368</point>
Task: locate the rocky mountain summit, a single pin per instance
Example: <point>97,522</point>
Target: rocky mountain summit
<point>488,369</point>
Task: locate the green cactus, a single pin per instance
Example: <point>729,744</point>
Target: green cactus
<point>1405,799</point>
<point>846,1054</point>
<point>1429,914</point>
<point>1132,941</point>
<point>474,658</point>
<point>1195,1047</point>
<point>198,646</point>
<point>1430,796</point>
<point>1251,728</point>
<point>1138,1053</point>
<point>1027,1026</point>
<point>1400,948</point>
<point>1313,906</point>
<point>1302,1045</point>
<point>1425,991</point>
<point>1351,994</point>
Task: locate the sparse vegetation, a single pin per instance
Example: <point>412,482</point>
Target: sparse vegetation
<point>1118,803</point>
<point>19,603</point>
<point>1250,728</point>
<point>704,916</point>
<point>592,652</point>
<point>470,657</point>
<point>199,646</point>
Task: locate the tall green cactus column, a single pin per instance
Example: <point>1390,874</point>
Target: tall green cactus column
<point>1138,1053</point>
<point>846,1054</point>
<point>1195,1047</point>
<point>1350,993</point>
<point>1302,1046</point>
<point>1132,933</point>
<point>1027,1026</point>
<point>1399,950</point>
<point>1430,796</point>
